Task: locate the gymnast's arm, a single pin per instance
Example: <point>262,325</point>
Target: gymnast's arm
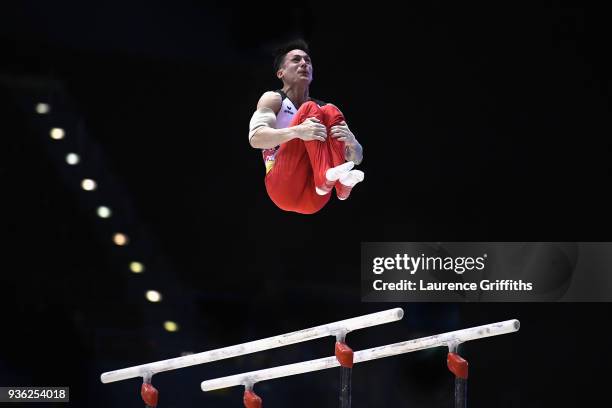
<point>263,133</point>
<point>353,151</point>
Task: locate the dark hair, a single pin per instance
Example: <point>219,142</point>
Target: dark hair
<point>279,56</point>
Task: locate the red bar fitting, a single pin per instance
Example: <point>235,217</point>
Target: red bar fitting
<point>457,365</point>
<point>344,355</point>
<point>251,400</point>
<point>149,395</point>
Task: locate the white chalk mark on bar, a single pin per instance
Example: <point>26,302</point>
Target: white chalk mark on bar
<point>454,337</point>
<point>331,329</point>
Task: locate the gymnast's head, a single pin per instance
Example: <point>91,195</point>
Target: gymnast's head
<point>292,63</point>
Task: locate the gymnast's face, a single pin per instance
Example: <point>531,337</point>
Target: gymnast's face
<point>296,68</point>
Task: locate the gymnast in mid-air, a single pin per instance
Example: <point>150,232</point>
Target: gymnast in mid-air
<point>308,149</point>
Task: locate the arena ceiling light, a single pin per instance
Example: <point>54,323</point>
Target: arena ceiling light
<point>72,159</point>
<point>120,239</point>
<point>88,184</point>
<point>153,296</point>
<point>137,267</point>
<point>170,326</point>
<point>57,133</point>
<point>104,212</point>
<point>43,108</point>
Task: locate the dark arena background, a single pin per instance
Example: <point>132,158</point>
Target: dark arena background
<point>486,122</point>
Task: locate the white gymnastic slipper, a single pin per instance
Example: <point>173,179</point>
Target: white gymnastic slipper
<point>334,173</point>
<point>347,182</point>
<point>352,177</point>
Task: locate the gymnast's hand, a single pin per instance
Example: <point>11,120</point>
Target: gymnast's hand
<point>342,133</point>
<point>311,129</point>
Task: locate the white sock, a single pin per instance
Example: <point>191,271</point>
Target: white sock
<point>321,191</point>
<point>352,177</point>
<point>334,173</point>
